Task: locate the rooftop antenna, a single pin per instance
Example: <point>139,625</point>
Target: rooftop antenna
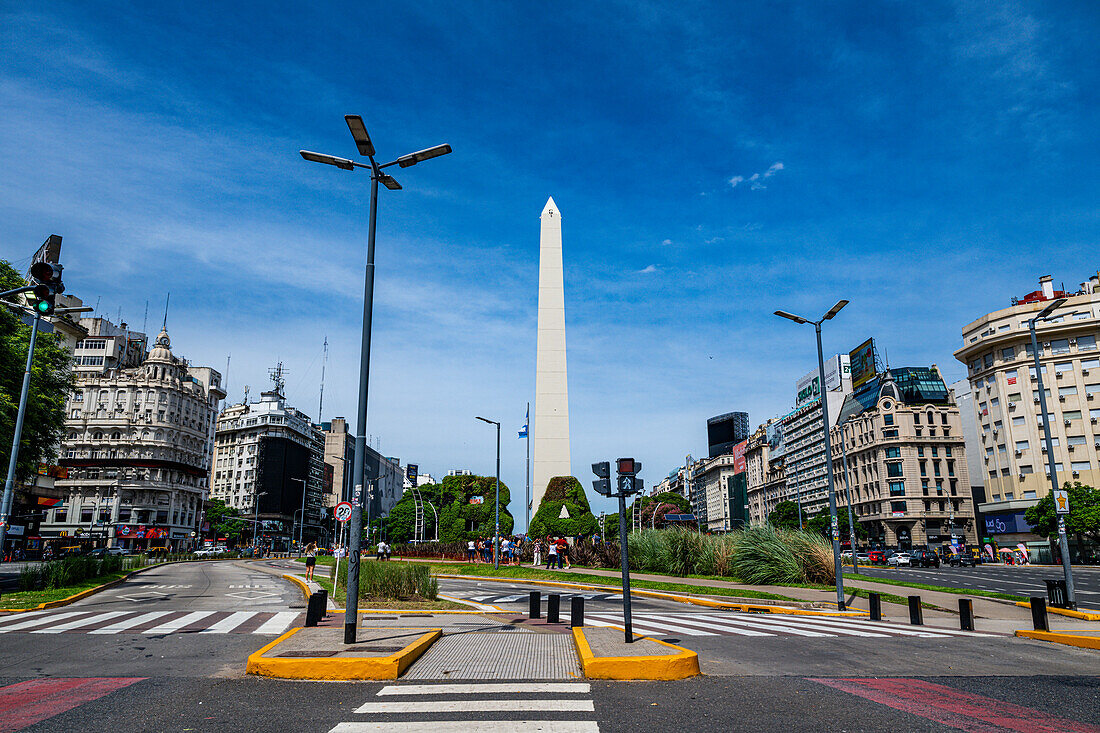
<point>118,317</point>
<point>164,326</point>
<point>225,384</point>
<point>321,399</point>
<point>246,388</point>
<point>277,379</point>
<point>96,312</point>
<point>145,320</point>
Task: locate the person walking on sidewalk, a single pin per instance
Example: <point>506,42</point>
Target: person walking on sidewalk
<point>311,559</point>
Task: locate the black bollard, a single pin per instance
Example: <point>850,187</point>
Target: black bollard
<point>916,613</point>
<point>553,606</point>
<point>534,609</point>
<point>875,600</point>
<point>323,602</point>
<point>576,611</point>
<point>314,610</point>
<point>1039,614</point>
<point>966,614</point>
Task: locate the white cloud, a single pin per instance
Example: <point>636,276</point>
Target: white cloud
<point>773,169</point>
<point>756,180</point>
<point>667,242</point>
<point>648,269</point>
<point>735,180</point>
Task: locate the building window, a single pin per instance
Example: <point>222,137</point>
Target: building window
<point>1086,343</point>
<point>1080,465</point>
<point>897,507</point>
<point>920,451</point>
<point>988,361</point>
<point>893,452</point>
<point>888,419</point>
<point>893,469</point>
<point>1009,353</point>
<point>897,488</point>
<point>1059,346</point>
<point>1071,415</point>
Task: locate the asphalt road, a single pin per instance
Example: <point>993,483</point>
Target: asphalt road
<point>792,675</point>
<point>1020,580</point>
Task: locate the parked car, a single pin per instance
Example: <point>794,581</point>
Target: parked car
<point>863,558</point>
<point>101,552</point>
<point>923,559</point>
<point>876,557</point>
<point>899,559</point>
<point>962,559</point>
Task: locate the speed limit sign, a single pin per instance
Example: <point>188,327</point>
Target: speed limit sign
<point>342,511</point>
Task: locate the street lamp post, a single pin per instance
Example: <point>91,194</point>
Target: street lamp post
<point>366,148</point>
<point>834,528</point>
<point>496,539</point>
<point>848,494</point>
<point>302,521</point>
<point>1063,542</point>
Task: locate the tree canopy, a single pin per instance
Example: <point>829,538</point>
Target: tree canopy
<point>51,383</point>
<point>1083,517</point>
<point>785,516</point>
<point>465,505</point>
<point>563,491</point>
<point>223,519</point>
<point>821,522</point>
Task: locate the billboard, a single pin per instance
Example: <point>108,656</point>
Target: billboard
<point>807,389</point>
<point>777,446</point>
<point>838,370</point>
<point>739,457</point>
<point>862,361</point>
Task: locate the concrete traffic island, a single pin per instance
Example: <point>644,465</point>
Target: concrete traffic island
<point>605,655</point>
<point>1078,638</point>
<point>319,653</point>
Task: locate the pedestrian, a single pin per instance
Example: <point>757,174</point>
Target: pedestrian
<point>551,553</point>
<point>381,550</point>
<point>311,559</point>
<point>563,553</point>
<point>537,549</point>
<point>471,551</point>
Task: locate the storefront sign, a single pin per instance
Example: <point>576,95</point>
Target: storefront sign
<point>1006,523</point>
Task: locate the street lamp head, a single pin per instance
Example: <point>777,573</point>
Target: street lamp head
<point>389,182</point>
<point>421,155</point>
<point>791,317</point>
<point>1051,307</point>
<point>359,132</point>
<point>487,420</point>
<point>834,310</point>
<point>342,163</point>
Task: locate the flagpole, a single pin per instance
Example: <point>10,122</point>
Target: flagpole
<point>527,434</point>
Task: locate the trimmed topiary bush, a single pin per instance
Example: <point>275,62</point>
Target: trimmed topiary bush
<point>563,491</point>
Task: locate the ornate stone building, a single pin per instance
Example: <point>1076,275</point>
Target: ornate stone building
<point>138,449</point>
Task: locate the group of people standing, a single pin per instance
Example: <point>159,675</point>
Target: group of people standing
<point>556,550</point>
<point>481,550</point>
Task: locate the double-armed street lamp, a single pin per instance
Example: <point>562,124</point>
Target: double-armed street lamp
<point>496,539</point>
<point>1052,467</point>
<point>834,528</point>
<point>366,149</point>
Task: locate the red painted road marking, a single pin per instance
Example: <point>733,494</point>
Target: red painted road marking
<point>963,710</point>
<point>26,703</point>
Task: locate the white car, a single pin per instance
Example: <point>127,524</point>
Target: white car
<point>899,559</point>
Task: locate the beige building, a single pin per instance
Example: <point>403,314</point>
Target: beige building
<point>1000,367</point>
<point>766,477</point>
<point>906,461</point>
<point>339,452</point>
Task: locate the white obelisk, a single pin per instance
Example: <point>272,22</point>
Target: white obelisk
<point>551,427</point>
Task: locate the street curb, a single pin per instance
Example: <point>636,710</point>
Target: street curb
<point>1083,615</point>
<point>1084,642</point>
<point>338,669</point>
<point>85,593</point>
<point>743,607</point>
<point>663,667</point>
<point>301,585</point>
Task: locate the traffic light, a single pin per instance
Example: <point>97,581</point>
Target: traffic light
<point>43,297</point>
<point>628,482</point>
<point>602,485</point>
<point>629,467</point>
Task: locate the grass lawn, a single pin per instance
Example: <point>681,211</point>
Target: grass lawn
<point>564,576</point>
<point>940,588</point>
<point>33,598</point>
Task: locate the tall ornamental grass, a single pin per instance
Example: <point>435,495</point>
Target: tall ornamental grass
<point>393,581</point>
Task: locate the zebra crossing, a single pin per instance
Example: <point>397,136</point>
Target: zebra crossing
<point>486,707</point>
<point>162,587</point>
<point>762,625</point>
<point>148,622</point>
<point>524,597</point>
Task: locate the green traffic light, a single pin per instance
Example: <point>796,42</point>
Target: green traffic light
<point>42,306</point>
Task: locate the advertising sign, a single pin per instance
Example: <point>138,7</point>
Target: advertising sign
<point>862,363</point>
<point>777,446</point>
<point>739,457</point>
<point>807,389</point>
<point>477,499</point>
<point>838,370</point>
<point>411,472</point>
<point>1010,523</point>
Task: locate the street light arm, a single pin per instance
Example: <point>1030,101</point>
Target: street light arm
<point>791,317</point>
<point>834,310</point>
<point>1051,307</point>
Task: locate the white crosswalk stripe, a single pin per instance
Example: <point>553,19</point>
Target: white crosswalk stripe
<point>516,708</point>
<point>734,624</point>
<point>151,622</point>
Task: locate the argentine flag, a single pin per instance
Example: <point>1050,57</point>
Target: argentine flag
<point>526,422</point>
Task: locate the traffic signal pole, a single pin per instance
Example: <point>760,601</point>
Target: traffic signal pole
<point>9,482</point>
<point>625,561</point>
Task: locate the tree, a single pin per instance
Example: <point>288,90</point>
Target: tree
<point>821,522</point>
<point>567,492</point>
<point>223,519</point>
<point>51,383</point>
<point>785,516</point>
<point>1083,517</point>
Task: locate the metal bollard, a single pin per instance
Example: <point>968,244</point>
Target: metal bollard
<point>576,611</point>
<point>1039,614</point>
<point>916,613</point>
<point>966,614</point>
<point>323,602</point>
<point>314,610</point>
<point>875,600</point>
<point>553,606</point>
<point>534,609</point>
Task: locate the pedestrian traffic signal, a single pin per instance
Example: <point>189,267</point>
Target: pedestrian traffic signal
<point>602,469</point>
<point>629,467</point>
<point>44,295</point>
<point>602,486</point>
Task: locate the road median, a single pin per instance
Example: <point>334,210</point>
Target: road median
<point>605,655</point>
<point>319,653</point>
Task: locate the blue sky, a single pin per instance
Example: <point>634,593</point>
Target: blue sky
<point>712,162</point>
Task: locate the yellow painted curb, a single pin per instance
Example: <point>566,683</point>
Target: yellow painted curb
<point>1084,642</point>
<point>338,668</point>
<point>743,607</point>
<point>399,610</point>
<point>1083,615</point>
<point>300,583</point>
<point>663,667</point>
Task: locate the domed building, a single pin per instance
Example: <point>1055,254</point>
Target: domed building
<point>138,449</point>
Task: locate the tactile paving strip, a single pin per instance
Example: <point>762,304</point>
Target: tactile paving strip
<point>495,656</point>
